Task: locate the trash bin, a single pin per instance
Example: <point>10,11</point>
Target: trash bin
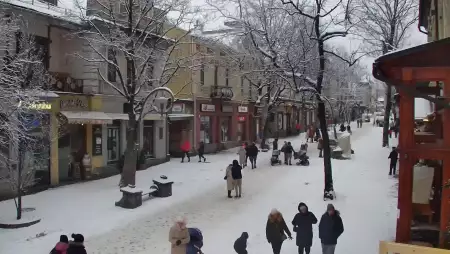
<point>164,187</point>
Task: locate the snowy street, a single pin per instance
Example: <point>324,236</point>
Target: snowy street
<point>366,198</point>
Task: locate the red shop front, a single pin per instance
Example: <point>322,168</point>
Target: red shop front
<point>243,124</point>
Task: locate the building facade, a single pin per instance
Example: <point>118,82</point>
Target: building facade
<point>87,117</point>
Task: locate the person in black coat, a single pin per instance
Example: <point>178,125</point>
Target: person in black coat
<point>303,222</point>
<point>288,150</point>
<point>201,152</point>
<point>77,245</point>
<point>240,245</point>
<point>236,173</point>
<point>252,153</point>
<point>330,228</point>
<point>275,144</point>
<point>276,230</point>
<point>393,164</point>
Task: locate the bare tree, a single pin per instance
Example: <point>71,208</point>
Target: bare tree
<point>383,26</point>
<point>23,79</point>
<point>135,34</point>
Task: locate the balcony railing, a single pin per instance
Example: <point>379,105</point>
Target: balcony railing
<point>62,82</point>
<point>222,92</point>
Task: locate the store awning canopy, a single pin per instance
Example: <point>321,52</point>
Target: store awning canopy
<point>118,116</point>
<point>87,117</point>
<point>177,117</point>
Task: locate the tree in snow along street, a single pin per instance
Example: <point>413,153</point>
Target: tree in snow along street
<point>129,39</point>
<point>322,17</point>
<point>22,123</point>
<point>275,56</point>
<point>383,26</point>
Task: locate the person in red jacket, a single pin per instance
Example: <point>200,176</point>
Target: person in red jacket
<point>185,148</point>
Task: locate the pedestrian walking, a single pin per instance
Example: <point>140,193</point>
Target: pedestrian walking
<point>179,237</point>
<point>61,246</point>
<point>318,135</point>
<point>393,156</point>
<point>77,245</point>
<point>349,129</point>
<point>275,144</point>
<point>283,150</point>
<point>185,148</point>
<point>201,152</point>
<point>252,153</point>
<point>236,173</point>
<point>320,147</point>
<point>229,178</point>
<point>330,229</point>
<point>276,230</point>
<point>240,245</point>
<point>289,151</point>
<point>311,133</point>
<point>303,222</point>
<point>246,147</point>
<point>298,128</point>
<point>242,156</point>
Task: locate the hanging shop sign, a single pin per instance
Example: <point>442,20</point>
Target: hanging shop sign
<point>243,109</point>
<point>241,118</point>
<point>227,109</point>
<point>74,103</point>
<point>208,108</point>
<point>96,140</point>
<point>178,108</point>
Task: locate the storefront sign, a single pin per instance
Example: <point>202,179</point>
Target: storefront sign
<point>227,109</point>
<point>96,140</point>
<point>39,106</point>
<point>78,103</point>
<point>178,108</point>
<point>208,108</point>
<point>242,109</point>
<point>241,118</point>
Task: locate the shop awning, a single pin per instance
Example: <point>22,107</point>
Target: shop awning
<point>87,117</point>
<point>177,117</point>
<point>121,116</point>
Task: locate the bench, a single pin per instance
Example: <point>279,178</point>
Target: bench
<point>151,192</point>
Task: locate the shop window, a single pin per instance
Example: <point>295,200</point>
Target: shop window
<point>113,143</point>
<point>280,121</point>
<point>205,129</point>
<point>147,147</point>
<point>225,129</point>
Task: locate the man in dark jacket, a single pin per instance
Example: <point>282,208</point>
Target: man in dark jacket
<point>275,144</point>
<point>236,173</point>
<point>330,228</point>
<point>283,150</point>
<point>288,152</point>
<point>303,222</point>
<point>393,164</point>
<point>252,153</point>
<point>201,152</point>
<point>240,245</point>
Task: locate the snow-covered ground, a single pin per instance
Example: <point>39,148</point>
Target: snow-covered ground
<point>366,198</point>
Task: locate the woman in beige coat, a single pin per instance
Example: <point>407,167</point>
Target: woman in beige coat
<point>242,156</point>
<point>179,237</point>
<point>229,178</point>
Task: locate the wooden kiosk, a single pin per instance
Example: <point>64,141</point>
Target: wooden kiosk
<point>410,71</point>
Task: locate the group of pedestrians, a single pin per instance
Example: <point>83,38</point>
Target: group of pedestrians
<point>277,231</point>
<point>64,246</point>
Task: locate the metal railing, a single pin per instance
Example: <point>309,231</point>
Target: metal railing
<point>400,248</point>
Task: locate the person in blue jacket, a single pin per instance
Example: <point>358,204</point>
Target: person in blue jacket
<point>196,241</point>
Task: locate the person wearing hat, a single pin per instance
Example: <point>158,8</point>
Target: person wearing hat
<point>276,230</point>
<point>77,245</point>
<point>179,236</point>
<point>330,228</point>
<point>303,222</point>
<point>61,246</point>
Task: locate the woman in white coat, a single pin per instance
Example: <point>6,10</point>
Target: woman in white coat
<point>229,178</point>
<point>179,237</point>
<point>242,156</point>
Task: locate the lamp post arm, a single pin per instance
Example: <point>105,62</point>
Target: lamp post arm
<point>158,89</point>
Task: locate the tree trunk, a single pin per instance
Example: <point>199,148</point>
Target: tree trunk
<point>328,179</point>
<point>19,181</point>
<point>131,152</point>
<point>387,113</point>
<point>266,128</point>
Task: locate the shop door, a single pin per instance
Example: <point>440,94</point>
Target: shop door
<point>241,131</point>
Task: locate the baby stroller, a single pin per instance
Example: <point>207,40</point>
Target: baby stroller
<point>196,242</point>
<point>275,157</point>
<point>302,157</point>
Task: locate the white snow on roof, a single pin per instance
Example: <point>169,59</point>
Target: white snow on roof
<point>422,108</point>
<point>69,10</point>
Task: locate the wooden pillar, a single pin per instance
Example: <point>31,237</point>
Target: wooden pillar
<point>406,141</point>
<point>445,198</point>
